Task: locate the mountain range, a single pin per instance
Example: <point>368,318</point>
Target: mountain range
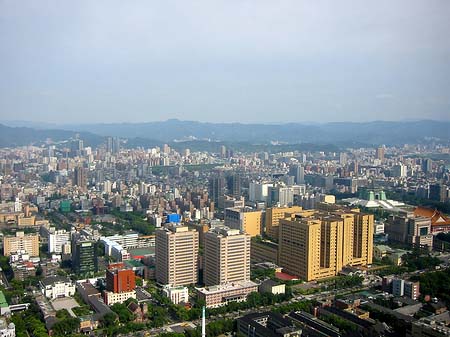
<point>176,131</point>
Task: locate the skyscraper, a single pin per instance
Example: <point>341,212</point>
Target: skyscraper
<point>380,153</point>
<point>176,255</point>
<point>216,187</point>
<point>234,185</point>
<point>80,177</point>
<point>227,256</point>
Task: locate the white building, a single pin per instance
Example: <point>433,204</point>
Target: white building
<point>58,241</point>
<point>112,297</point>
<point>177,295</point>
<point>57,286</point>
<point>7,330</point>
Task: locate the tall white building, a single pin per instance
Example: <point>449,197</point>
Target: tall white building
<point>176,255</point>
<point>259,191</point>
<point>227,256</point>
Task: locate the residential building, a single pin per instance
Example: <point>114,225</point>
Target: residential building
<point>21,242</point>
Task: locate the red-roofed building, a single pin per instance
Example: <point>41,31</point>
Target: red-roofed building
<point>439,222</point>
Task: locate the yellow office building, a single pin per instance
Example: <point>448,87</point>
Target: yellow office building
<point>317,244</point>
<point>273,216</point>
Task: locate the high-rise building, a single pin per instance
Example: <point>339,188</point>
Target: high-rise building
<point>273,216</point>
<point>318,244</point>
<point>84,256</point>
<point>437,192</point>
<point>234,185</point>
<point>427,165</point>
<point>244,219</point>
<point>21,242</point>
<point>216,187</point>
<point>80,177</point>
<point>298,172</point>
<point>258,191</point>
<point>380,153</point>
<point>176,255</point>
<point>227,256</point>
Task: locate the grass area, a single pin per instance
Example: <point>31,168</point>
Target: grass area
<point>82,311</point>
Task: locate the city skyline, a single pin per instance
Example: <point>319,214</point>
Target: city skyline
<point>224,61</point>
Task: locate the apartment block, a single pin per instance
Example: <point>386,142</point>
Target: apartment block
<point>21,242</point>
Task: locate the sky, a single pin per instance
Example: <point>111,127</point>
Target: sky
<point>244,61</point>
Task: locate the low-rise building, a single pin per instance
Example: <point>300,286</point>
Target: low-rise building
<point>176,295</point>
<point>267,324</point>
<point>270,286</point>
<point>220,295</point>
<point>112,297</point>
<point>57,286</point>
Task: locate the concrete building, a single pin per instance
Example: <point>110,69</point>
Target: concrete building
<point>408,228</point>
<point>110,297</point>
<point>176,255</point>
<point>57,286</point>
<point>315,245</point>
<point>21,242</point>
<point>398,287</point>
<point>273,216</point>
<point>244,219</point>
<point>227,256</point>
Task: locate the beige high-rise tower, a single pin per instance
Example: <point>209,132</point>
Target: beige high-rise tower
<point>227,256</point>
<point>176,255</point>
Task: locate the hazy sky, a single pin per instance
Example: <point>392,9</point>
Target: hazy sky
<point>247,61</point>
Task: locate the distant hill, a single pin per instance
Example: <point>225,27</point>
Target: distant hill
<point>21,136</point>
<point>370,133</point>
<point>181,134</point>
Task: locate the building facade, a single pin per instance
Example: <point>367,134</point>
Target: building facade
<point>176,255</point>
<point>227,256</point>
